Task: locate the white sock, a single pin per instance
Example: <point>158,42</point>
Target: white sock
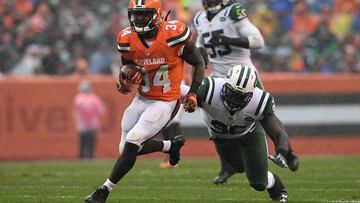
<point>271,180</point>
<point>167,145</point>
<point>109,184</point>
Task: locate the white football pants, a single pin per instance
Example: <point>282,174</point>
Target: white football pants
<point>143,119</point>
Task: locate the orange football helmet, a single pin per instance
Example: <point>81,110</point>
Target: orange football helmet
<point>145,15</point>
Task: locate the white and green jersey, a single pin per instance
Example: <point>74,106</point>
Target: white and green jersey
<point>231,22</point>
<point>220,122</point>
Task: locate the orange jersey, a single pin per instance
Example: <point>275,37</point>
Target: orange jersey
<point>160,60</point>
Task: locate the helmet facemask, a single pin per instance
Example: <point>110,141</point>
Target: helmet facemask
<point>234,99</point>
<point>143,20</point>
<point>238,88</point>
<point>212,6</point>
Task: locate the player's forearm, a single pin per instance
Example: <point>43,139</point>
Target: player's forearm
<point>205,56</point>
<point>198,75</point>
<point>125,61</point>
<point>192,56</point>
<point>281,143</point>
<point>242,42</point>
<point>276,131</point>
<point>251,42</point>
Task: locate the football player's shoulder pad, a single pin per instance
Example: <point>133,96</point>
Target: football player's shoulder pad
<point>123,40</point>
<point>203,91</point>
<point>198,17</point>
<point>176,32</point>
<point>258,103</point>
<point>208,90</point>
<point>237,12</point>
<point>270,106</point>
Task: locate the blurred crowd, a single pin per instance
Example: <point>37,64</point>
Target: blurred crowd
<point>62,37</point>
<point>308,36</point>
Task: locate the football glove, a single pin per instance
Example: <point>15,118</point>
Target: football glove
<point>136,79</point>
<point>123,87</point>
<point>279,160</point>
<point>190,102</point>
<point>292,161</point>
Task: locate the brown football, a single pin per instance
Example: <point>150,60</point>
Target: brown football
<point>129,70</point>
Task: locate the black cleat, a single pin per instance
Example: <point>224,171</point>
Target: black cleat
<point>99,196</point>
<point>174,153</point>
<point>292,161</point>
<point>223,177</point>
<point>278,192</point>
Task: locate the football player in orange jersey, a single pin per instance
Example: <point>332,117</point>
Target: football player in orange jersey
<point>159,48</point>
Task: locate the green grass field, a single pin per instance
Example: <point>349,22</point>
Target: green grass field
<point>321,179</point>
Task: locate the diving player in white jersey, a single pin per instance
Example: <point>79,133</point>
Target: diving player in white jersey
<point>225,38</point>
<point>237,115</point>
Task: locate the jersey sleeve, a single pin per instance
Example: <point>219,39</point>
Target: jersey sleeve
<point>246,29</point>
<point>196,23</point>
<point>237,12</point>
<point>196,20</point>
<point>269,107</point>
<point>203,91</point>
<point>178,33</point>
<point>123,42</point>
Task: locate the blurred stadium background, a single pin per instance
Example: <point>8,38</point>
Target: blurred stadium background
<point>311,64</point>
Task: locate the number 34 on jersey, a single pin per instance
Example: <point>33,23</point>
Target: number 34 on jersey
<point>160,59</point>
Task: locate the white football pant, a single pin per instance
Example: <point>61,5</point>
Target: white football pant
<point>143,119</point>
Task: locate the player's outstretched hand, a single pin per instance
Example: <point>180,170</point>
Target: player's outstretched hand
<point>279,160</point>
<point>190,102</point>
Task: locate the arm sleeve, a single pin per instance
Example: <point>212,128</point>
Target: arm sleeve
<point>199,41</point>
<point>270,106</point>
<point>123,43</point>
<point>202,92</point>
<point>180,35</point>
<point>247,29</point>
